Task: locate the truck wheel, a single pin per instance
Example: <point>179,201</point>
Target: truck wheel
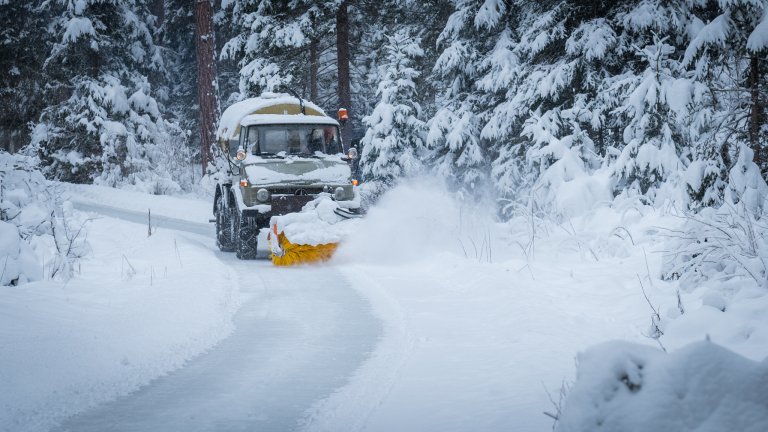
<point>224,234</point>
<point>246,238</point>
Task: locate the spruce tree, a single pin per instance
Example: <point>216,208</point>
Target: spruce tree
<point>727,56</point>
<point>454,129</point>
<point>272,42</point>
<point>393,142</point>
<point>103,122</point>
<point>653,141</point>
<point>22,50</point>
<point>176,34</point>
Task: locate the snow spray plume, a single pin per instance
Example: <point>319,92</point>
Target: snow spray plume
<point>419,218</point>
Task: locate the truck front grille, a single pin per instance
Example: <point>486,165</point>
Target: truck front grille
<point>284,204</point>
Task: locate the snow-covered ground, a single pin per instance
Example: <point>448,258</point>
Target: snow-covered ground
<point>483,323</point>
<point>298,335</point>
<point>138,307</point>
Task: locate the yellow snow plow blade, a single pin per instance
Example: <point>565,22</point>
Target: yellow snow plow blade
<point>309,236</point>
<point>288,253</point>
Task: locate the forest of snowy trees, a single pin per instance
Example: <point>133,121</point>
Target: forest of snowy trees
<point>647,118</point>
<point>662,100</point>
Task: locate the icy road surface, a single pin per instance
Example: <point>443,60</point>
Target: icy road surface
<point>300,334</point>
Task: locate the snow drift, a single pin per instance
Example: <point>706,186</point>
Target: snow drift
<point>703,387</point>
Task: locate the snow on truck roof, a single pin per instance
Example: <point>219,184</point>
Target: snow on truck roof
<point>262,119</point>
<point>275,104</point>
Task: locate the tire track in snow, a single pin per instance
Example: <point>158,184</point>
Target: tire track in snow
<point>300,334</point>
<point>351,407</point>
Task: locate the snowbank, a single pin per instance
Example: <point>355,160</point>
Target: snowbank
<point>18,262</point>
<point>731,314</point>
<point>26,205</point>
<point>702,387</point>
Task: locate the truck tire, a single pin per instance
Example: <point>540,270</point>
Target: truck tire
<point>246,238</point>
<point>224,227</point>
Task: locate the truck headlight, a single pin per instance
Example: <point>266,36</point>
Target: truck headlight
<point>339,194</point>
<point>262,195</point>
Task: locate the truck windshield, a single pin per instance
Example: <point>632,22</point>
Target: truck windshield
<point>300,139</point>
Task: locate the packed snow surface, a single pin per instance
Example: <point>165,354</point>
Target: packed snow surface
<point>298,335</point>
<point>142,338</point>
<point>190,209</point>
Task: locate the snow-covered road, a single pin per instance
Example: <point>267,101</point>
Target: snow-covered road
<point>299,335</point>
<point>144,218</point>
<point>431,316</point>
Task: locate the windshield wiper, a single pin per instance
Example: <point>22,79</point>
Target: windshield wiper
<point>269,155</point>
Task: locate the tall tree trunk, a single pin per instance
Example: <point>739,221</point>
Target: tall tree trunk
<point>342,54</point>
<point>313,67</point>
<point>756,115</point>
<point>158,9</point>
<point>207,90</point>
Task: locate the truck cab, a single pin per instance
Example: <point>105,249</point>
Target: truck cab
<point>282,153</point>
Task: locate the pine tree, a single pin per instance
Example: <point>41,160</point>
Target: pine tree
<point>454,129</point>
<point>22,51</point>
<point>371,22</point>
<point>272,43</point>
<point>103,123</point>
<point>176,33</point>
<point>651,155</point>
<point>393,142</point>
<point>566,72</point>
<point>727,56</point>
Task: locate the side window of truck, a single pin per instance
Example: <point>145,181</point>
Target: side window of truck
<point>253,139</point>
<point>242,138</point>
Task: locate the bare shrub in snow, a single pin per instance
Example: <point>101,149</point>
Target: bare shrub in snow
<point>730,241</point>
<point>34,227</point>
<point>535,221</point>
<point>70,243</point>
<point>721,244</point>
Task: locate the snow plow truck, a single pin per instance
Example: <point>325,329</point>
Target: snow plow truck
<point>284,154</point>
